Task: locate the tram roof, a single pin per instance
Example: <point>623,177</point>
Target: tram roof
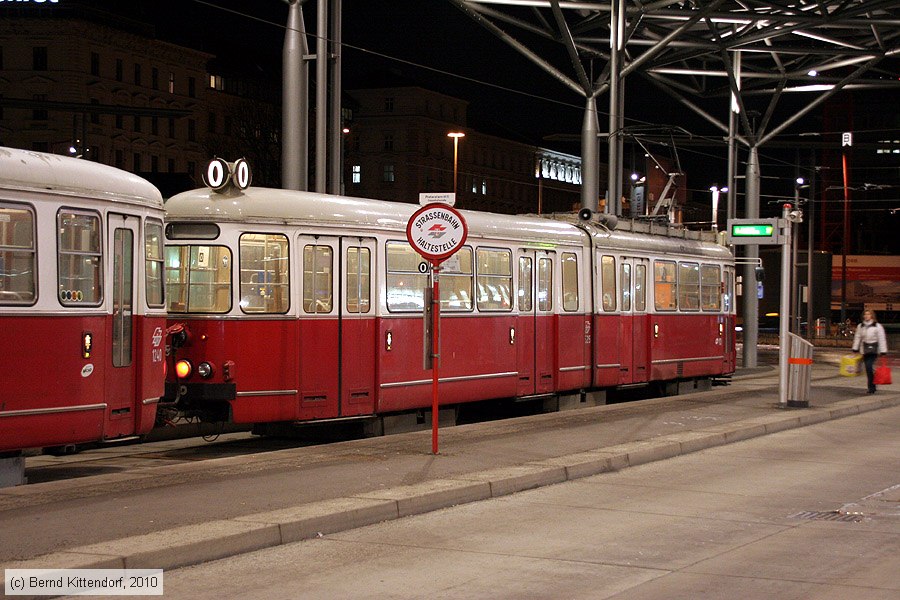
<point>39,171</point>
<point>267,205</point>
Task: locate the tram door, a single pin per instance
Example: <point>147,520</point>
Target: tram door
<point>640,321</point>
<point>122,292</point>
<point>337,327</point>
<point>535,328</point>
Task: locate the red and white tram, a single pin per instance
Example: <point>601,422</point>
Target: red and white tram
<point>299,306</point>
<point>82,310</point>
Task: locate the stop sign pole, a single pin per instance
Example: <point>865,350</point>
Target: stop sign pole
<point>436,231</point>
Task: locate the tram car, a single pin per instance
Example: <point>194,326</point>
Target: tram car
<point>295,306</point>
<point>82,310</point>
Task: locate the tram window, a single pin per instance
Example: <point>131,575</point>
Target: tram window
<point>264,271</point>
<point>688,286</point>
<point>407,276</point>
<point>359,268</point>
<point>153,258</point>
<point>545,284</point>
<point>526,284</point>
<point>710,287</point>
<point>80,259</point>
<point>17,255</point>
<point>640,288</point>
<point>494,279</point>
<point>192,231</point>
<point>569,262</point>
<point>625,269</point>
<point>456,281</point>
<point>198,279</point>
<point>318,290</point>
<point>664,285</point>
<point>608,283</point>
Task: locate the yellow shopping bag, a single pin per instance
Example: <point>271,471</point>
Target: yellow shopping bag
<point>851,365</point>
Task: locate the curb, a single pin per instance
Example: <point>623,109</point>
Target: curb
<point>212,540</point>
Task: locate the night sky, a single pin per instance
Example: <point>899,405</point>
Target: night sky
<point>432,44</point>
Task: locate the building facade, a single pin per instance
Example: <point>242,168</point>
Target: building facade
<point>398,147</point>
<point>77,81</point>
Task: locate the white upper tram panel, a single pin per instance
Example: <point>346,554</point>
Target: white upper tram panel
<point>266,205</point>
<point>23,170</point>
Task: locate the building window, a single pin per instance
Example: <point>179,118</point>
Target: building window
<point>95,64</point>
<point>95,115</point>
<point>136,162</point>
<point>154,164</point>
<point>217,82</point>
<point>356,173</point>
<point>191,168</point>
<point>154,78</point>
<point>211,124</point>
<point>120,68</point>
<point>39,113</point>
<point>192,87</point>
<point>119,120</point>
<point>388,174</point>
<point>120,159</point>
<point>137,74</point>
<point>389,104</point>
<point>137,123</point>
<point>389,141</point>
<point>192,130</point>
<point>171,165</point>
<point>226,125</point>
<point>171,127</point>
<point>154,125</point>
<point>39,56</point>
<point>171,82</point>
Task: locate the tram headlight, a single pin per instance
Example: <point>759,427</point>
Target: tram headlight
<point>205,370</point>
<point>183,369</point>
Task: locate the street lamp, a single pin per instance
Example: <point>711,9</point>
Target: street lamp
<point>716,190</point>
<point>455,135</point>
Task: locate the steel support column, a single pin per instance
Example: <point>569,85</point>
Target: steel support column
<point>616,41</point>
<point>751,302</point>
<point>590,161</point>
<point>335,134</point>
<point>322,96</point>
<point>295,102</point>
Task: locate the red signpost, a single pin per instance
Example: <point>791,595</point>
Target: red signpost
<point>436,232</point>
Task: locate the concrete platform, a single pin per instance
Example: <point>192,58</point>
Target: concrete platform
<point>176,515</point>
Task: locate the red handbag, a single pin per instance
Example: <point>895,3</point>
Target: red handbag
<point>882,372</point>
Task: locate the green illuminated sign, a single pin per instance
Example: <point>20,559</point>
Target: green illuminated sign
<point>754,230</point>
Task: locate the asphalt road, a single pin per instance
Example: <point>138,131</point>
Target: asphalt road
<point>812,512</point>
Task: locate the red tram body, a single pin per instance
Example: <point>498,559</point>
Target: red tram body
<point>82,312</point>
<point>299,306</point>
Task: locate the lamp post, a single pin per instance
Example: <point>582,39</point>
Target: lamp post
<point>716,190</point>
<point>455,135</point>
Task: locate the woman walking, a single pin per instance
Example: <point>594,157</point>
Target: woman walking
<point>871,341</point>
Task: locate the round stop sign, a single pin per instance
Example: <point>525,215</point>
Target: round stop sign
<point>436,231</point>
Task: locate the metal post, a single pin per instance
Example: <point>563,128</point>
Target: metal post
<point>322,97</point>
<point>846,241</point>
<point>294,95</point>
<point>435,353</point>
<point>795,305</point>
<point>590,163</point>
<point>617,32</point>
<point>751,302</point>
<point>783,341</point>
<point>336,159</point>
<point>810,247</point>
